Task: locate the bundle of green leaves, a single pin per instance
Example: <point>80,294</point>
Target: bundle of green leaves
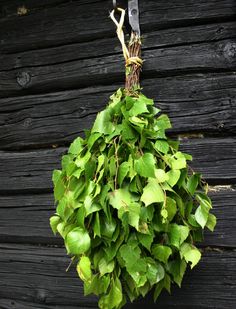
<point>128,207</point>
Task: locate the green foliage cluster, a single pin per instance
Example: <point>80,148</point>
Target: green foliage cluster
<point>128,207</point>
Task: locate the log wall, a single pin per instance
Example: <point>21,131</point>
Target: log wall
<point>59,63</point>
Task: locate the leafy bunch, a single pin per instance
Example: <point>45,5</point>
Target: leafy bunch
<point>128,207</point>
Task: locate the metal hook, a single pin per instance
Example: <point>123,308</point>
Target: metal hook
<point>134,16</point>
<point>114,4</point>
<point>133,10</point>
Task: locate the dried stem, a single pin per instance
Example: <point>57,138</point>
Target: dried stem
<point>133,69</point>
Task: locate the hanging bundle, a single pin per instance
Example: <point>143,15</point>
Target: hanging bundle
<point>129,208</point>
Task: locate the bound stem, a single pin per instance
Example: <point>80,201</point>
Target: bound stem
<point>133,70</point>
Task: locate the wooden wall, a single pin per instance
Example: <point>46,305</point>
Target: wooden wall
<point>59,63</point>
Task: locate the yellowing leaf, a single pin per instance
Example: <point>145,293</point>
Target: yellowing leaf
<point>161,176</point>
<point>84,269</point>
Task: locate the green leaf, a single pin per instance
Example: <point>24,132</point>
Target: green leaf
<point>103,123</point>
<point>201,215</point>
<point>114,298</point>
<point>105,267</point>
<point>171,208</point>
<point>152,193</point>
<point>162,146</point>
<point>204,200</point>
<point>146,240</point>
<point>108,227</point>
<point>161,253</point>
<point>55,176</point>
<point>163,122</point>
<point>193,183</point>
<point>77,241</point>
<point>173,177</point>
<point>134,214</point>
<point>84,269</point>
<point>97,285</point>
<point>142,99</point>
<point>81,161</point>
<point>130,254</point>
<point>138,108</point>
<point>178,161</point>
<point>177,269</point>
<point>190,253</point>
<point>120,198</point>
<point>92,139</point>
<point>97,226</point>
<point>59,188</point>
<point>54,221</point>
<point>77,146</point>
<point>159,287</point>
<point>155,271</point>
<point>211,222</point>
<point>128,133</point>
<point>80,217</point>
<point>145,165</point>
<point>90,206</point>
<point>178,234</point>
<point>101,160</point>
<point>123,172</point>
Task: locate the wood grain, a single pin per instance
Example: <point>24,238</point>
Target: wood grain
<point>161,38</point>
<point>195,103</point>
<point>210,56</point>
<point>61,22</point>
<point>30,171</point>
<point>37,275</point>
<point>23,213</point>
<point>60,62</point>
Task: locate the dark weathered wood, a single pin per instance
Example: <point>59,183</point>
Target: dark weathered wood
<point>204,57</point>
<point>32,170</point>
<point>13,7</point>
<point>37,275</point>
<point>23,213</point>
<point>195,103</point>
<point>110,46</point>
<point>19,304</point>
<point>44,26</point>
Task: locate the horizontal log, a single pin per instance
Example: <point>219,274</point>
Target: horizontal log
<point>41,26</point>
<point>37,275</point>
<point>195,103</point>
<point>32,170</point>
<point>12,304</point>
<point>13,7</point>
<point>110,46</point>
<point>23,213</point>
<point>202,57</point>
